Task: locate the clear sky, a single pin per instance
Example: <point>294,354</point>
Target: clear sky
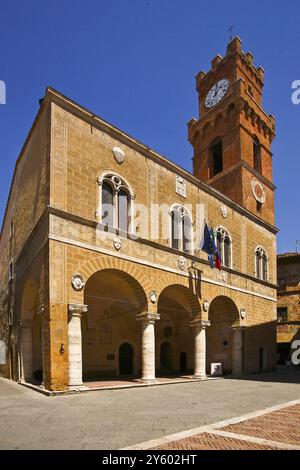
<point>133,62</point>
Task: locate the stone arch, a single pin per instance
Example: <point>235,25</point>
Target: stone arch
<point>29,302</point>
<point>102,262</point>
<point>31,345</point>
<point>223,315</point>
<point>134,285</point>
<point>186,282</point>
<point>177,305</point>
<point>184,296</point>
<point>104,173</point>
<point>114,299</point>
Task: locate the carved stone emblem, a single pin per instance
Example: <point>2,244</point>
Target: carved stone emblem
<point>180,186</point>
<point>205,305</point>
<point>117,243</point>
<point>77,282</point>
<point>153,296</point>
<point>224,211</point>
<point>119,155</point>
<point>181,263</point>
<point>258,191</point>
<point>243,313</point>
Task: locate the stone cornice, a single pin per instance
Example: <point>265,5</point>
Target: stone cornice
<point>245,165</point>
<point>90,223</point>
<point>193,259</point>
<point>286,293</point>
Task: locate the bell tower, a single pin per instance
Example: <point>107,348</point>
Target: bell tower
<point>233,135</point>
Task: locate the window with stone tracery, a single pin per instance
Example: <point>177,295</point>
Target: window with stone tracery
<point>181,229</point>
<point>224,246</point>
<point>116,200</point>
<point>261,264</point>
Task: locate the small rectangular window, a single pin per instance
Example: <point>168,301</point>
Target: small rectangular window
<point>217,158</point>
<point>282,314</point>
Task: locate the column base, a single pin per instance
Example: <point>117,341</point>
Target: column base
<point>77,387</point>
<point>147,381</point>
<point>200,377</point>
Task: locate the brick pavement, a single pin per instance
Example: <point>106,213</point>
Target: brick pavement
<point>208,441</point>
<point>275,430</point>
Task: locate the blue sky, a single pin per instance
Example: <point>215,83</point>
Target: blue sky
<point>133,62</point>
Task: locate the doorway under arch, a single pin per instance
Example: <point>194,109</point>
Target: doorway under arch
<point>183,363</point>
<point>30,339</point>
<point>262,359</point>
<point>110,330</point>
<point>166,358</point>
<point>177,304</point>
<point>223,315</point>
<point>125,359</point>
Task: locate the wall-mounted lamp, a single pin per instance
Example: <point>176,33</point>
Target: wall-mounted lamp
<point>61,349</point>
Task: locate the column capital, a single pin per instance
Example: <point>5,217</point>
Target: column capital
<point>197,322</point>
<point>148,317</point>
<point>238,327</point>
<point>77,309</point>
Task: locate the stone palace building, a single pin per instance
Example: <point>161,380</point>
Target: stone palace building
<point>88,291</point>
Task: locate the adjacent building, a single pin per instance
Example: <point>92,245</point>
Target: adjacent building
<point>101,274</point>
<point>288,304</point>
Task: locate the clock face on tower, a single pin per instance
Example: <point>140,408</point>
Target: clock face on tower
<point>216,93</point>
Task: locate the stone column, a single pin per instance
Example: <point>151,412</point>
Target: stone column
<point>199,327</point>
<point>75,345</point>
<point>148,345</point>
<point>237,350</point>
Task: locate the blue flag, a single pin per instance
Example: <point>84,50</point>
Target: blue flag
<point>208,245</point>
<point>206,242</point>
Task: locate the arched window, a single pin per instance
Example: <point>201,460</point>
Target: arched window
<point>261,264</point>
<point>256,154</point>
<point>176,222</point>
<point>216,156</point>
<point>186,233</point>
<point>123,210</point>
<point>115,202</point>
<point>181,229</point>
<point>224,246</point>
<point>107,204</point>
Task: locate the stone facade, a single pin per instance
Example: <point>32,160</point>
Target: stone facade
<point>288,303</point>
<point>93,301</point>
